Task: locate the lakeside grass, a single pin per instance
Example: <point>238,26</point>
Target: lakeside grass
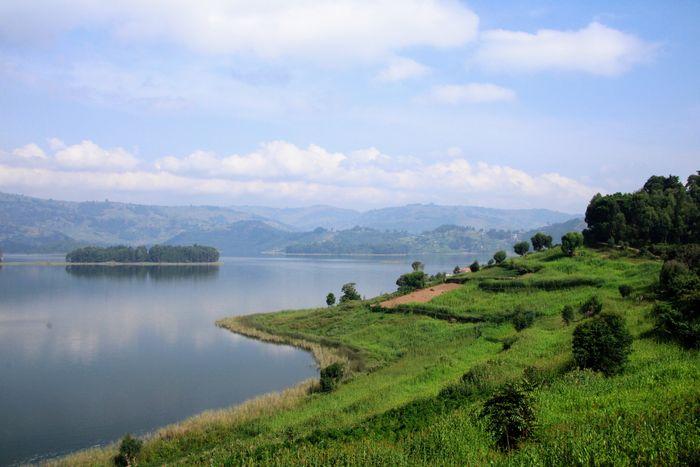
<point>404,403</point>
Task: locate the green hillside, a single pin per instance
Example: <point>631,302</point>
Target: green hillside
<point>416,385</point>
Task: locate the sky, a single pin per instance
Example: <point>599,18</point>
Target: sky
<point>350,103</point>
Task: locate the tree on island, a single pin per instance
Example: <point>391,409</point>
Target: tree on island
<point>540,241</point>
<point>521,248</point>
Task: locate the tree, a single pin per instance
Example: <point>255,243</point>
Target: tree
<point>602,344</point>
<point>417,266</point>
<point>456,270</point>
<point>349,292</point>
<point>331,376</point>
<point>474,267</point>
<point>591,307</point>
<point>129,449</point>
<point>541,241</point>
<point>411,281</point>
<point>521,248</point>
<point>330,299</point>
<point>509,416</point>
<point>491,261</point>
<point>571,241</point>
<point>567,314</point>
<point>499,256</point>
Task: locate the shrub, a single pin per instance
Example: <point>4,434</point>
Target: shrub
<point>571,241</point>
<point>509,416</point>
<point>540,241</point>
<point>499,256</point>
<point>411,281</point>
<point>129,449</point>
<point>330,299</point>
<point>508,342</point>
<point>522,319</point>
<point>567,314</point>
<point>417,266</point>
<point>602,344</point>
<point>682,325</point>
<point>331,376</point>
<point>625,290</point>
<point>521,247</point>
<point>591,307</point>
<point>491,261</point>
<point>349,292</point>
<point>456,270</point>
<point>474,267</point>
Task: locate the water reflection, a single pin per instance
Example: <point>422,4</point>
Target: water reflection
<point>156,273</point>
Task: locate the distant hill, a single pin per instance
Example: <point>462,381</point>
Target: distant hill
<point>33,225</point>
<point>558,230</point>
<point>38,225</point>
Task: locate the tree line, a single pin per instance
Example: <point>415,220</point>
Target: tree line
<point>663,211</point>
<point>142,254</point>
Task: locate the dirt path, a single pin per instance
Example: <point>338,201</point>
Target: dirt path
<point>419,296</point>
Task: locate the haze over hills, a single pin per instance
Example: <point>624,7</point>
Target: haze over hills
<point>36,225</point>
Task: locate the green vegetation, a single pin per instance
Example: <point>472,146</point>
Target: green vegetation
<point>567,314</point>
<point>540,241</point>
<point>349,293</point>
<point>521,248</point>
<point>591,307</point>
<point>570,242</point>
<point>416,384</point>
<point>663,211</point>
<point>474,267</point>
<point>499,256</point>
<point>411,281</point>
<point>129,449</point>
<point>331,376</point>
<point>330,299</point>
<point>602,344</point>
<point>141,254</point>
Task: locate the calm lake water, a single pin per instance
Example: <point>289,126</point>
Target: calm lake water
<point>90,353</point>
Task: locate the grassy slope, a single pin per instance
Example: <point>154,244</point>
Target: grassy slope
<point>391,411</point>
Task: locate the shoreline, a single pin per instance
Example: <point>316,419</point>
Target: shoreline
<point>104,263</point>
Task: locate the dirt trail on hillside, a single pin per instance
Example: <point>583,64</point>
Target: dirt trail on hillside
<point>419,296</point>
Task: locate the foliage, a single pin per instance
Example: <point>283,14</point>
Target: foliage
<point>456,270</point>
<point>514,285</point>
<point>330,299</point>
<point>570,242</point>
<point>567,314</point>
<point>521,248</point>
<point>129,449</point>
<point>411,281</point>
<point>499,256</point>
<point>663,211</point>
<point>522,318</point>
<point>474,267</point>
<point>625,290</point>
<point>509,416</point>
<point>331,376</point>
<point>602,344</point>
<point>349,292</point>
<point>417,266</point>
<point>141,254</point>
<point>591,307</point>
<point>540,241</point>
<point>491,262</point>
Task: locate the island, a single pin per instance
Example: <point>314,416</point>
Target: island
<point>157,254</point>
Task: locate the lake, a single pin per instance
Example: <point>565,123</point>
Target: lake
<point>90,353</point>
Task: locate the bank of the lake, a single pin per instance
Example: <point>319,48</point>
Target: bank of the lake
<point>418,383</point>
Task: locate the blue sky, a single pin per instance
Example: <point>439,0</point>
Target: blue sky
<point>347,102</point>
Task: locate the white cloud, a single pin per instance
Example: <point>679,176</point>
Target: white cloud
<point>312,29</point>
<point>29,151</point>
<point>470,93</point>
<point>88,155</point>
<point>282,173</point>
<point>595,49</point>
<point>401,68</point>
